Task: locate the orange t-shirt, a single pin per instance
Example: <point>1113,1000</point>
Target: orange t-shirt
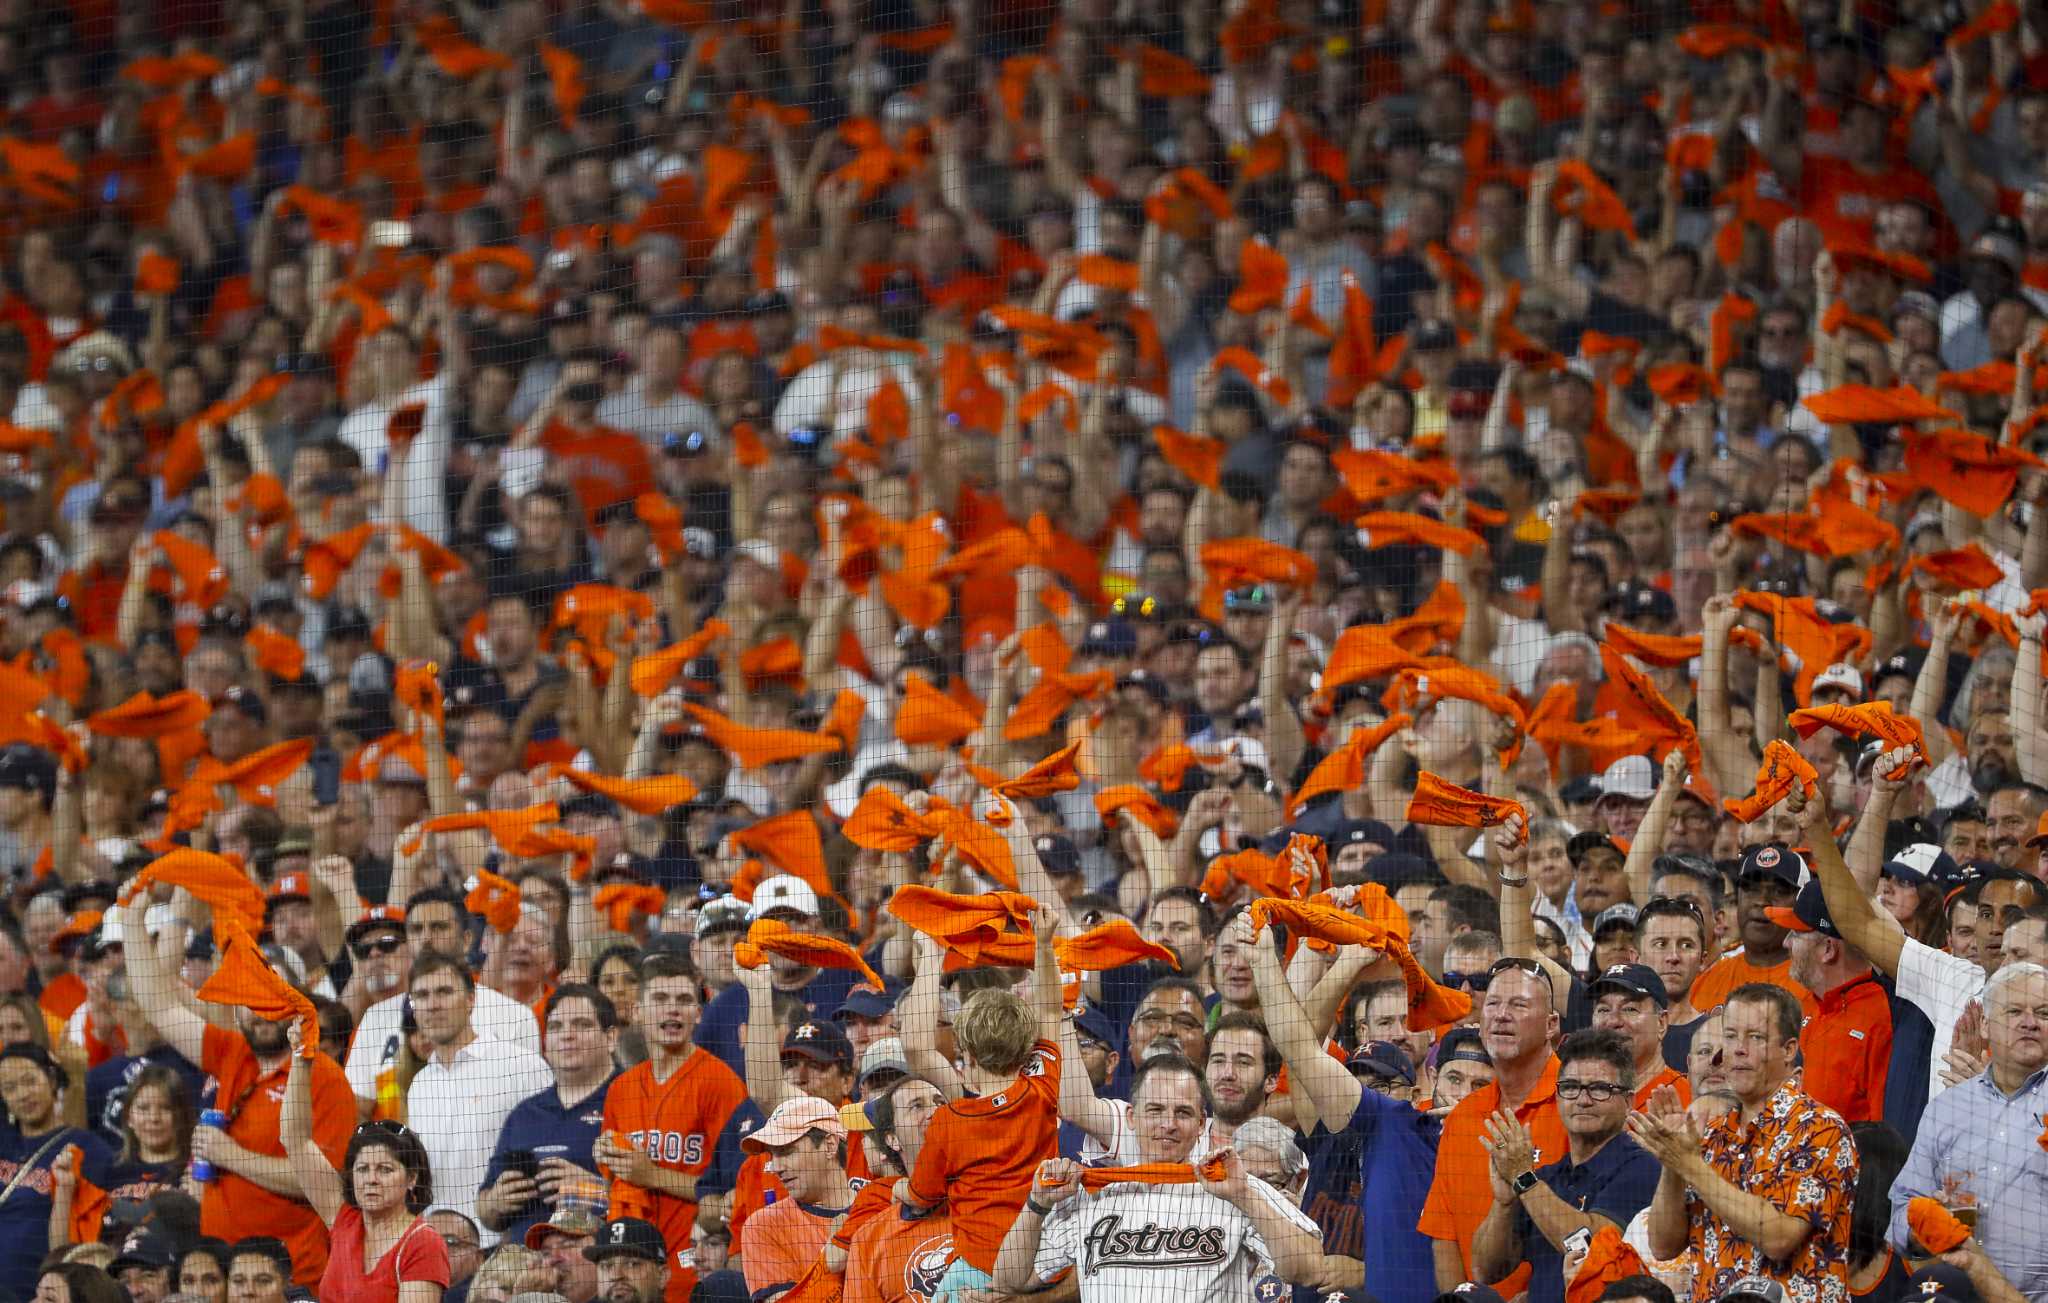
<point>1711,989</point>
<point>899,1258</point>
<point>782,1241</point>
<point>680,1124</point>
<point>1461,1195</point>
<point>236,1208</point>
<point>62,995</point>
<point>756,1187</point>
<point>1669,1077</point>
<point>980,1155</point>
<point>604,466</point>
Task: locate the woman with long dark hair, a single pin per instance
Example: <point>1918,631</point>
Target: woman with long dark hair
<point>383,1250</point>
<point>1877,1273</point>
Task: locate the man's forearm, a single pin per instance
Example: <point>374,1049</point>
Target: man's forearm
<point>1758,1220</point>
<point>1555,1218</point>
<point>1450,1266</point>
<point>1666,1221</point>
<point>1496,1249</point>
<point>1014,1261</point>
<point>1297,1254</point>
<point>273,1174</point>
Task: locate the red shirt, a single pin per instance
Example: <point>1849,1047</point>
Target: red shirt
<point>604,466</point>
<point>1847,1047</point>
<point>419,1255</point>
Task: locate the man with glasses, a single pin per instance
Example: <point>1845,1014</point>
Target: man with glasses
<point>1467,960</point>
<point>465,1249</point>
<point>1603,1179</point>
<point>1170,1019</point>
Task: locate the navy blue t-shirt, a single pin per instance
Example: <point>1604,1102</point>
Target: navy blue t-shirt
<point>1395,1162</point>
<point>540,1125</point>
<point>1617,1183</point>
<point>719,1029</point>
<point>106,1086</point>
<point>25,1217</point>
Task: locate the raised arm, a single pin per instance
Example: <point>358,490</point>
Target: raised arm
<point>763,1047</point>
<point>1648,843</point>
<point>1285,742</point>
<point>158,991</point>
<point>1323,1087</point>
<point>2027,713</point>
<point>1874,933</point>
<point>1932,685</point>
<point>318,1181</point>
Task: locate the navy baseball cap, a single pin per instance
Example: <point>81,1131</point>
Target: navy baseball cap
<point>1092,1021</point>
<point>1058,854</point>
<point>1115,638</point>
<point>819,1041</point>
<point>1940,1281</point>
<point>1383,1059</point>
<point>1773,861</point>
<point>1637,981</point>
<point>1809,913</point>
<point>865,1001</point>
<point>1359,832</point>
<point>1470,1292</point>
<point>1462,1043</point>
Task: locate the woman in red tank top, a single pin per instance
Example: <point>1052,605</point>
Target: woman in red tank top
<point>382,1250</point>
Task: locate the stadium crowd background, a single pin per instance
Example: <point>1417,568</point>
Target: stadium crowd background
<point>680,650</point>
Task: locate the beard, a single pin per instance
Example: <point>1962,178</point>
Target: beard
<point>265,1037</point>
<point>1990,774</point>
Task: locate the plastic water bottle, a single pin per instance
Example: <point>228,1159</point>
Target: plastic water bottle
<point>202,1171</point>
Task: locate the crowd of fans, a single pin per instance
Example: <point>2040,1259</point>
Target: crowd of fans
<point>1377,650</point>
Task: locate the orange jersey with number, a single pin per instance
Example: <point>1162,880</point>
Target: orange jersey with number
<point>690,1123</point>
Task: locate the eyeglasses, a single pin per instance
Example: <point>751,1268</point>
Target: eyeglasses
<point>1136,607</point>
<point>1255,599</point>
<point>1473,982</point>
<point>456,1242</point>
<point>1598,1091</point>
<point>1159,1017</point>
<point>381,946</point>
<point>1521,965</point>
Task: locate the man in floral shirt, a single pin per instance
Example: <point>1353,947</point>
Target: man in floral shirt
<point>1766,1191</point>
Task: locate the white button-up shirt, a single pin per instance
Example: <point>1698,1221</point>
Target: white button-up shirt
<point>457,1108</point>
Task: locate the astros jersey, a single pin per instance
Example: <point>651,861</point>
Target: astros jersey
<point>899,1257</point>
<point>691,1123</point>
<point>1174,1242</point>
<point>980,1155</point>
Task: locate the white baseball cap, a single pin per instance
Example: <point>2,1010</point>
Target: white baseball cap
<point>1631,778</point>
<point>783,891</point>
<point>1840,675</point>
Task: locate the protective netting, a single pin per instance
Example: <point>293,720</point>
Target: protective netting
<point>674,650</point>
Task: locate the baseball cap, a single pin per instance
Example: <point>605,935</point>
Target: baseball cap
<point>1383,1059</point>
<point>1431,334</point>
<point>1615,916</point>
<point>792,1120</point>
<point>144,1247</point>
<point>1359,832</point>
<point>2040,837</point>
<point>1470,1292</point>
<point>1998,248</point>
<point>1058,854</point>
<point>29,769</point>
<point>628,1237</point>
<point>1809,912</point>
<point>568,1219</point>
<point>1462,1043</point>
<point>1093,1021</point>
<point>1115,638</point>
<point>291,886</point>
<point>725,914</point>
<point>1939,1280</point>
<point>1773,861</point>
<point>1753,1289</point>
<point>783,891</point>
<point>1922,863</point>
<point>1582,790</point>
<point>820,1041</point>
<point>1631,778</point>
<point>1584,843</point>
<point>1637,981</point>
<point>1840,675</point>
<point>1633,602</point>
<point>242,699</point>
<point>377,917</point>
<point>885,1055</point>
<point>865,1001</point>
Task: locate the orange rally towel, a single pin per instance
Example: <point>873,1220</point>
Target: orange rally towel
<point>1651,648</point>
<point>1097,1178</point>
<point>648,796</point>
<point>1782,768</point>
<point>1446,805</point>
<point>1055,773</point>
<point>1608,1259</point>
<point>772,936</point>
<point>618,902</point>
<point>503,825</point>
<point>1934,1225</point>
<point>214,879</point>
<point>1321,921</point>
<point>929,717</point>
<point>492,899</point>
<point>1143,806</point>
<point>145,716</point>
<point>960,921</point>
<point>652,674</point>
<point>1869,719</point>
<point>756,748</point>
<point>245,981</point>
<point>417,686</point>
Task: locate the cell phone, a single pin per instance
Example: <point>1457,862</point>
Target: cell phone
<point>1578,1241</point>
<point>390,235</point>
<point>326,767</point>
<point>523,1161</point>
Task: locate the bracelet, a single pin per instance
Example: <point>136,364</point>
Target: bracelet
<point>1506,881</point>
<point>1041,1210</point>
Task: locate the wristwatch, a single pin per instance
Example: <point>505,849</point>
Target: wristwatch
<point>1525,1183</point>
<point>1041,1210</point>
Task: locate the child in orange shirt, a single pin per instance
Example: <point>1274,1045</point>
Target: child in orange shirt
<point>981,1151</point>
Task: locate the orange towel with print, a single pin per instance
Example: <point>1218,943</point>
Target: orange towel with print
<point>1055,773</point>
<point>652,674</point>
<point>1869,719</point>
<point>244,980</point>
<point>1447,805</point>
<point>417,687</point>
<point>1651,648</point>
<point>756,748</point>
<point>1861,404</point>
<point>1168,766</point>
<point>214,879</point>
<point>882,822</point>
<point>256,776</point>
<point>1386,528</point>
<point>1364,652</point>
<point>1319,920</point>
<point>197,574</point>
<point>648,796</point>
<point>1430,1003</point>
<point>618,902</point>
<point>493,899</point>
<point>539,843</point>
<point>1143,806</point>
<point>504,826</point>
<point>1782,769</point>
<point>1959,568</point>
<point>772,936</point>
<point>929,717</point>
<point>1966,468</point>
<point>1372,475</point>
<point>791,843</point>
<point>1051,697</point>
<point>1608,1259</point>
<point>1236,562</point>
<point>1265,874</point>
<point>1645,709</point>
<point>1934,1225</point>
<point>327,560</point>
<point>1343,770</point>
<point>964,925</point>
<point>1099,1178</point>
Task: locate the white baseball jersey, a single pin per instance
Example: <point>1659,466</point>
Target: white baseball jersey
<point>1175,1242</point>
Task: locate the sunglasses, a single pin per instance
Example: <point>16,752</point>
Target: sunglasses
<point>380,946</point>
<point>1137,608</point>
<point>1473,982</point>
<point>1598,1091</point>
<point>1672,905</point>
<point>1519,964</point>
